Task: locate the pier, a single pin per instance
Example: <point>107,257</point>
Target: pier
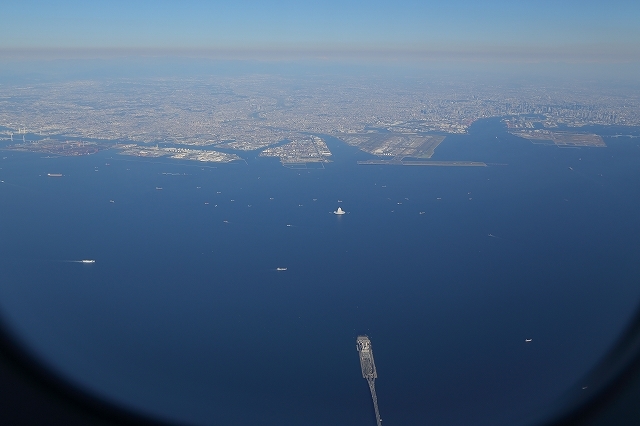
<point>368,366</point>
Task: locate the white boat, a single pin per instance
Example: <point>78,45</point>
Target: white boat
<point>88,261</point>
<point>339,211</point>
<point>281,269</point>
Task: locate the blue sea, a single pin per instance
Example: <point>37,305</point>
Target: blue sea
<point>184,316</point>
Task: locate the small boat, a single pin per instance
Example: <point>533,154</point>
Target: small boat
<point>158,188</point>
<point>54,174</point>
<point>281,269</point>
<point>88,261</point>
<point>528,340</point>
<point>339,211</point>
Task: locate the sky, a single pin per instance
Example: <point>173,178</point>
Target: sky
<point>526,30</point>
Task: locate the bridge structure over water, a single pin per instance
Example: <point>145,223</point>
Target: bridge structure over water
<point>400,162</point>
<point>368,366</point>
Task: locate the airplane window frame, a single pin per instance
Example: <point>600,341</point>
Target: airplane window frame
<point>33,394</point>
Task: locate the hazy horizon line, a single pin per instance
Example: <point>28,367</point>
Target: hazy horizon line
<point>514,54</point>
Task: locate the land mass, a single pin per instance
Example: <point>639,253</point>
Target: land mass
<point>561,138</point>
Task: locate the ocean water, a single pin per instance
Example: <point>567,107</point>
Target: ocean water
<point>185,317</point>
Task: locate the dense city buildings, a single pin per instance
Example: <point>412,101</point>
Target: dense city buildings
<point>390,118</point>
